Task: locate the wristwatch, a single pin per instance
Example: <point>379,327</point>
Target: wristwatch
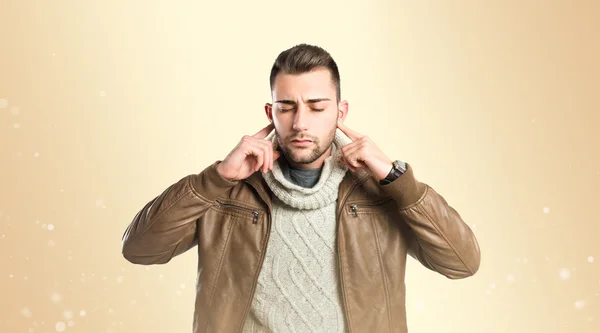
<point>398,168</point>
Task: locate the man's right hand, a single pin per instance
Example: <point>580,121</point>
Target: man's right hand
<point>251,154</point>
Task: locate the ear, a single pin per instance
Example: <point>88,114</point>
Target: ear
<point>342,111</point>
<point>269,111</point>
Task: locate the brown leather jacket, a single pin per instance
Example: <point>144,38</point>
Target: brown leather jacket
<point>230,223</point>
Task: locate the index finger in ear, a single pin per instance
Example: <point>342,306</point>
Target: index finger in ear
<point>353,135</point>
<point>264,132</point>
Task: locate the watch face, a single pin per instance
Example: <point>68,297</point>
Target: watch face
<point>400,166</point>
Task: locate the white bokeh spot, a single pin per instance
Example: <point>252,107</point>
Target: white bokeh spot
<point>100,203</point>
<point>56,297</point>
<point>60,326</point>
<point>68,314</point>
<point>564,274</point>
<point>26,312</point>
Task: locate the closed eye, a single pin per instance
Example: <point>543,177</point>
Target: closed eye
<point>285,110</point>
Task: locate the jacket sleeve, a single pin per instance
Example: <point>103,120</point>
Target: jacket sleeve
<point>166,226</point>
<point>438,238</point>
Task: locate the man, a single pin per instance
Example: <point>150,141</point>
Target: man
<point>307,229</point>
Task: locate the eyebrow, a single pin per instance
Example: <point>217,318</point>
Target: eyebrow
<point>310,101</point>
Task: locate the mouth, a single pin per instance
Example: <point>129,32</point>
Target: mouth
<point>303,142</point>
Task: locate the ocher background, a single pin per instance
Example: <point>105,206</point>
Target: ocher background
<point>105,104</point>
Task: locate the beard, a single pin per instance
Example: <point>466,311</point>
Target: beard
<point>298,155</point>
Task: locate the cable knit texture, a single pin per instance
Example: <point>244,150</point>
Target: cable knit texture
<point>298,287</point>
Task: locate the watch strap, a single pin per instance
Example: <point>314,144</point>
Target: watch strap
<point>398,168</point>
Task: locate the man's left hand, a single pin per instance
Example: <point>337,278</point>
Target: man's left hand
<point>363,153</point>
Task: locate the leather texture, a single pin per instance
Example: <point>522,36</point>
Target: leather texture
<point>229,223</point>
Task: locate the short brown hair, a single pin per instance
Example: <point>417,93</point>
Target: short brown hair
<point>304,58</point>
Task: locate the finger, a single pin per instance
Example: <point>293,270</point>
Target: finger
<point>350,166</point>
<point>353,161</point>
<point>355,156</point>
<point>350,150</point>
<point>259,151</point>
<point>273,157</point>
<point>264,132</point>
<point>268,149</point>
<point>353,135</point>
<point>262,148</point>
<point>276,155</point>
<point>269,152</point>
<point>347,163</point>
<point>350,146</point>
<point>249,147</point>
<point>266,157</point>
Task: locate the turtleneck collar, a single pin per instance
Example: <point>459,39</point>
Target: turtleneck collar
<point>324,192</point>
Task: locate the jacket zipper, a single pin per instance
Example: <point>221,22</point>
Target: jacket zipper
<point>344,298</point>
<point>354,210</point>
<point>255,213</point>
<point>354,207</point>
<point>262,259</point>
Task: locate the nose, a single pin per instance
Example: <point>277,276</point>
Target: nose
<point>300,119</point>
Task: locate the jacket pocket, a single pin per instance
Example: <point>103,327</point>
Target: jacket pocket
<point>254,213</point>
<point>370,207</point>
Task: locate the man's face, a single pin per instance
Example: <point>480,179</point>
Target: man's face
<point>305,112</point>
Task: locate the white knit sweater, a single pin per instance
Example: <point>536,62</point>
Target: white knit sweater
<point>298,287</point>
